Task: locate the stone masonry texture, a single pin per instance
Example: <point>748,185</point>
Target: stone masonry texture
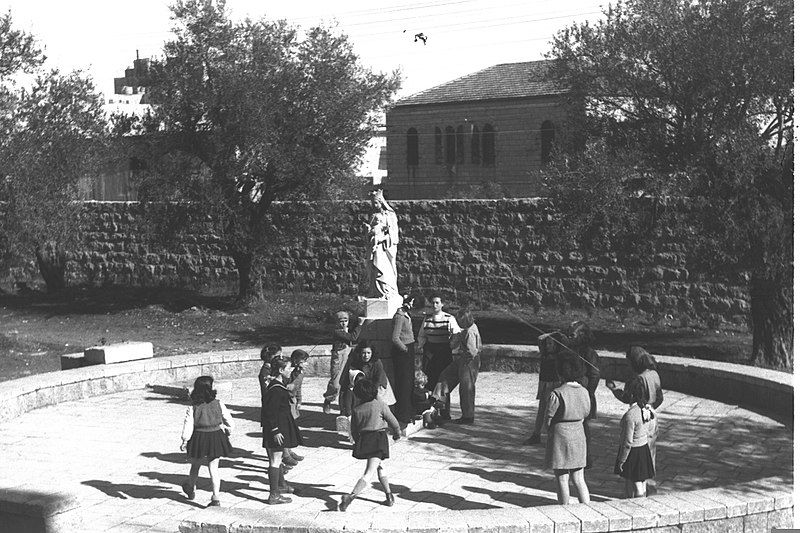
<point>472,251</point>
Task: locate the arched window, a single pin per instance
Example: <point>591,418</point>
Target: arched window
<point>548,138</point>
<point>449,146</point>
<point>437,145</point>
<point>460,145</point>
<point>412,147</point>
<point>475,142</point>
<point>487,145</point>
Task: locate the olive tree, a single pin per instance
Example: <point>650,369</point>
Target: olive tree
<point>691,99</point>
<point>254,112</point>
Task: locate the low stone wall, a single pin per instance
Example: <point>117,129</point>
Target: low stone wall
<point>754,506</point>
<point>747,508</point>
<point>474,251</point>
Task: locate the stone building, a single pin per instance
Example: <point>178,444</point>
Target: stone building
<point>489,128</point>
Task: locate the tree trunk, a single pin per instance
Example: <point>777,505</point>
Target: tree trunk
<point>52,265</point>
<point>244,266</point>
<point>771,307</point>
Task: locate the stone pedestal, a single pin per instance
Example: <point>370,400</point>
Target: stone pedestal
<point>381,307</point>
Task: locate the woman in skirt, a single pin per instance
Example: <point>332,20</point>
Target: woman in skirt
<point>280,430</point>
<point>634,462</point>
<point>368,425</point>
<point>206,427</point>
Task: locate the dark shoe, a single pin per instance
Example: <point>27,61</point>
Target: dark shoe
<point>326,407</point>
<point>188,490</point>
<point>463,420</point>
<point>295,456</point>
<point>277,499</point>
<point>347,499</point>
<point>214,503</point>
<point>533,439</point>
<point>285,488</point>
<point>389,500</point>
<point>289,461</point>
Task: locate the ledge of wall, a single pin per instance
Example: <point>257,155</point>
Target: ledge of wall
<point>755,506</point>
<point>750,507</point>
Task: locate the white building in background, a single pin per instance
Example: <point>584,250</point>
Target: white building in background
<point>373,164</point>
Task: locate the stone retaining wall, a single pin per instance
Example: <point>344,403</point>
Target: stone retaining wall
<point>474,251</point>
<point>755,506</point>
<point>746,508</point>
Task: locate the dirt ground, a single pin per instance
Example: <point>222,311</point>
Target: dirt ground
<point>36,328</point>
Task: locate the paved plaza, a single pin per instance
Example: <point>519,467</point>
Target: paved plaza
<point>120,454</point>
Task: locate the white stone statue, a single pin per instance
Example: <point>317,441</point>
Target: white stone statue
<point>382,234</point>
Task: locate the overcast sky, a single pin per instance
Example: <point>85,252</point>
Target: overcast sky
<point>463,36</point>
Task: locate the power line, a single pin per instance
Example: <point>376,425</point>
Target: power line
<point>433,30</point>
<point>427,16</point>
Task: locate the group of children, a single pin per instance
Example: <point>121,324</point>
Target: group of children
<point>208,423</point>
<point>568,379</point>
<point>567,382</point>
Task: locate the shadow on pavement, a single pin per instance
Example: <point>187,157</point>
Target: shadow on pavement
<point>204,483</point>
<point>444,500</point>
<point>127,491</point>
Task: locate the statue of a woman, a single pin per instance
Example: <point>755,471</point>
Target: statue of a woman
<point>382,234</point>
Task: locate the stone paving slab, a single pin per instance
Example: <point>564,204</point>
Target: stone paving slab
<point>119,454</point>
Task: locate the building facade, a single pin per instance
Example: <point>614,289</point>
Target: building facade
<point>492,128</point>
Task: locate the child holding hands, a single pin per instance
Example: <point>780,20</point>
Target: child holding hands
<point>206,427</point>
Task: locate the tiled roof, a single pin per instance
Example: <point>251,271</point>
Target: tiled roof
<point>507,80</point>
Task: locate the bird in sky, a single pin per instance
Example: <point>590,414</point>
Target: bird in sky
<point>419,37</point>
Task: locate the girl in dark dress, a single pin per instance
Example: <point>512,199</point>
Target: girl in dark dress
<point>363,359</point>
<point>280,430</point>
<point>206,427</point>
<point>370,421</point>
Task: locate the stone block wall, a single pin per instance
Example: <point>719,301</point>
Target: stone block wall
<point>472,251</point>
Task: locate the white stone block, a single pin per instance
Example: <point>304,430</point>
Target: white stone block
<point>381,307</point>
<point>118,353</point>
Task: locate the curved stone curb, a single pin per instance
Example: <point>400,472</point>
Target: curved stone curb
<point>756,506</point>
<point>762,502</point>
